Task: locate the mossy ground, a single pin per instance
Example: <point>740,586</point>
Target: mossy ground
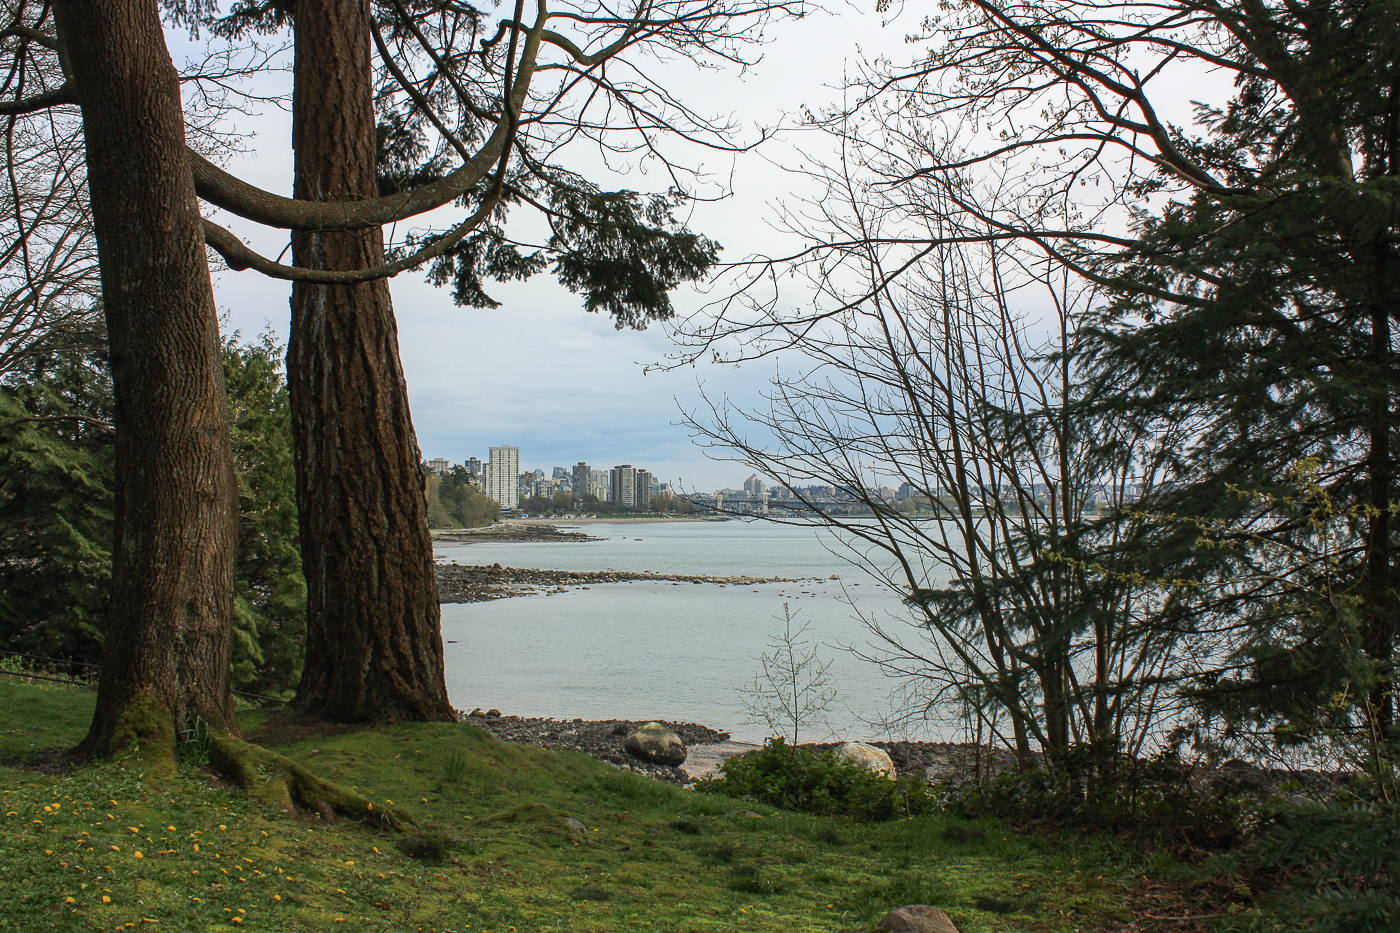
<point>103,848</point>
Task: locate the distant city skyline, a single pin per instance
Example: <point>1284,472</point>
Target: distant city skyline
<point>569,471</point>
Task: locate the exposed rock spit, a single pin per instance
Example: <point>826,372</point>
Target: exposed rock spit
<point>466,583</point>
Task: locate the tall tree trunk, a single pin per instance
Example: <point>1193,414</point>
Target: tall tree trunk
<point>374,642</point>
<point>1379,610</point>
<point>165,660</point>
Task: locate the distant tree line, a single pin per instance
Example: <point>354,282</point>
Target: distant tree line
<point>455,501</point>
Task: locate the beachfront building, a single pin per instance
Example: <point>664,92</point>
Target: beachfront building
<point>503,476</point>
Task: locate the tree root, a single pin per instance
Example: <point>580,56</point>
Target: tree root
<point>278,780</point>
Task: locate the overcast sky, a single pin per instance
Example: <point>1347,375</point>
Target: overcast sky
<point>541,374</point>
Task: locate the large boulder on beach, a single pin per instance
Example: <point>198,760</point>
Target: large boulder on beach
<point>655,743</point>
<point>868,757</point>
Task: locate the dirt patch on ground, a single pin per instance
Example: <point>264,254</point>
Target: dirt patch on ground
<point>289,726</point>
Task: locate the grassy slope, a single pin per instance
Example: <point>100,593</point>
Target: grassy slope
<point>98,849</point>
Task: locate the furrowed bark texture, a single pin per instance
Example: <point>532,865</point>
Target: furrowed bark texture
<point>374,642</point>
<point>169,629</point>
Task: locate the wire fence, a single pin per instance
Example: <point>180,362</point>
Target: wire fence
<point>90,672</point>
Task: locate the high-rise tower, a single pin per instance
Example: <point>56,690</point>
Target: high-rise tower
<point>503,476</point>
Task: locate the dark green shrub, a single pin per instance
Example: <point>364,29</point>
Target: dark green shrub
<point>816,781</point>
<point>1088,786</point>
<point>1327,868</point>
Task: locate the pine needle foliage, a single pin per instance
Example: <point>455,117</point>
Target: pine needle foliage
<point>55,506</point>
<point>56,462</point>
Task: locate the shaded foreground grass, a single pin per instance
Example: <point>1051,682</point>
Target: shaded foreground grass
<point>510,838</point>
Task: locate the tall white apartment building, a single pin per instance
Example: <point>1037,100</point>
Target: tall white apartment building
<point>623,485</point>
<point>503,476</point>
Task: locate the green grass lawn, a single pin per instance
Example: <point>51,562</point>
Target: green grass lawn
<point>99,848</point>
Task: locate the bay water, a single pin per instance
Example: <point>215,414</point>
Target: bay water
<point>678,651</point>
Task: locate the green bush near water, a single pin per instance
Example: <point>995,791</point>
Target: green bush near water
<point>1090,787</point>
<point>817,781</point>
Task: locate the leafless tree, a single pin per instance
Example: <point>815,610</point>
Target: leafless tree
<point>949,370</point>
<point>1221,171</point>
<point>48,261</point>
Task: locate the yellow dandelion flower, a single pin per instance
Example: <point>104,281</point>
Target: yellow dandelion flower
<point>139,855</point>
<point>106,899</point>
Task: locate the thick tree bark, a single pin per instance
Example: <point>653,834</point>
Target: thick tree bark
<point>374,643</point>
<point>165,663</point>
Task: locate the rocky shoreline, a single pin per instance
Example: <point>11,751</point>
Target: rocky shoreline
<point>600,739</point>
<point>934,762</point>
<point>476,583</point>
<point>514,533</point>
<point>603,740</point>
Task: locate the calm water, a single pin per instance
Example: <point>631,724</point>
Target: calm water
<point>645,650</point>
